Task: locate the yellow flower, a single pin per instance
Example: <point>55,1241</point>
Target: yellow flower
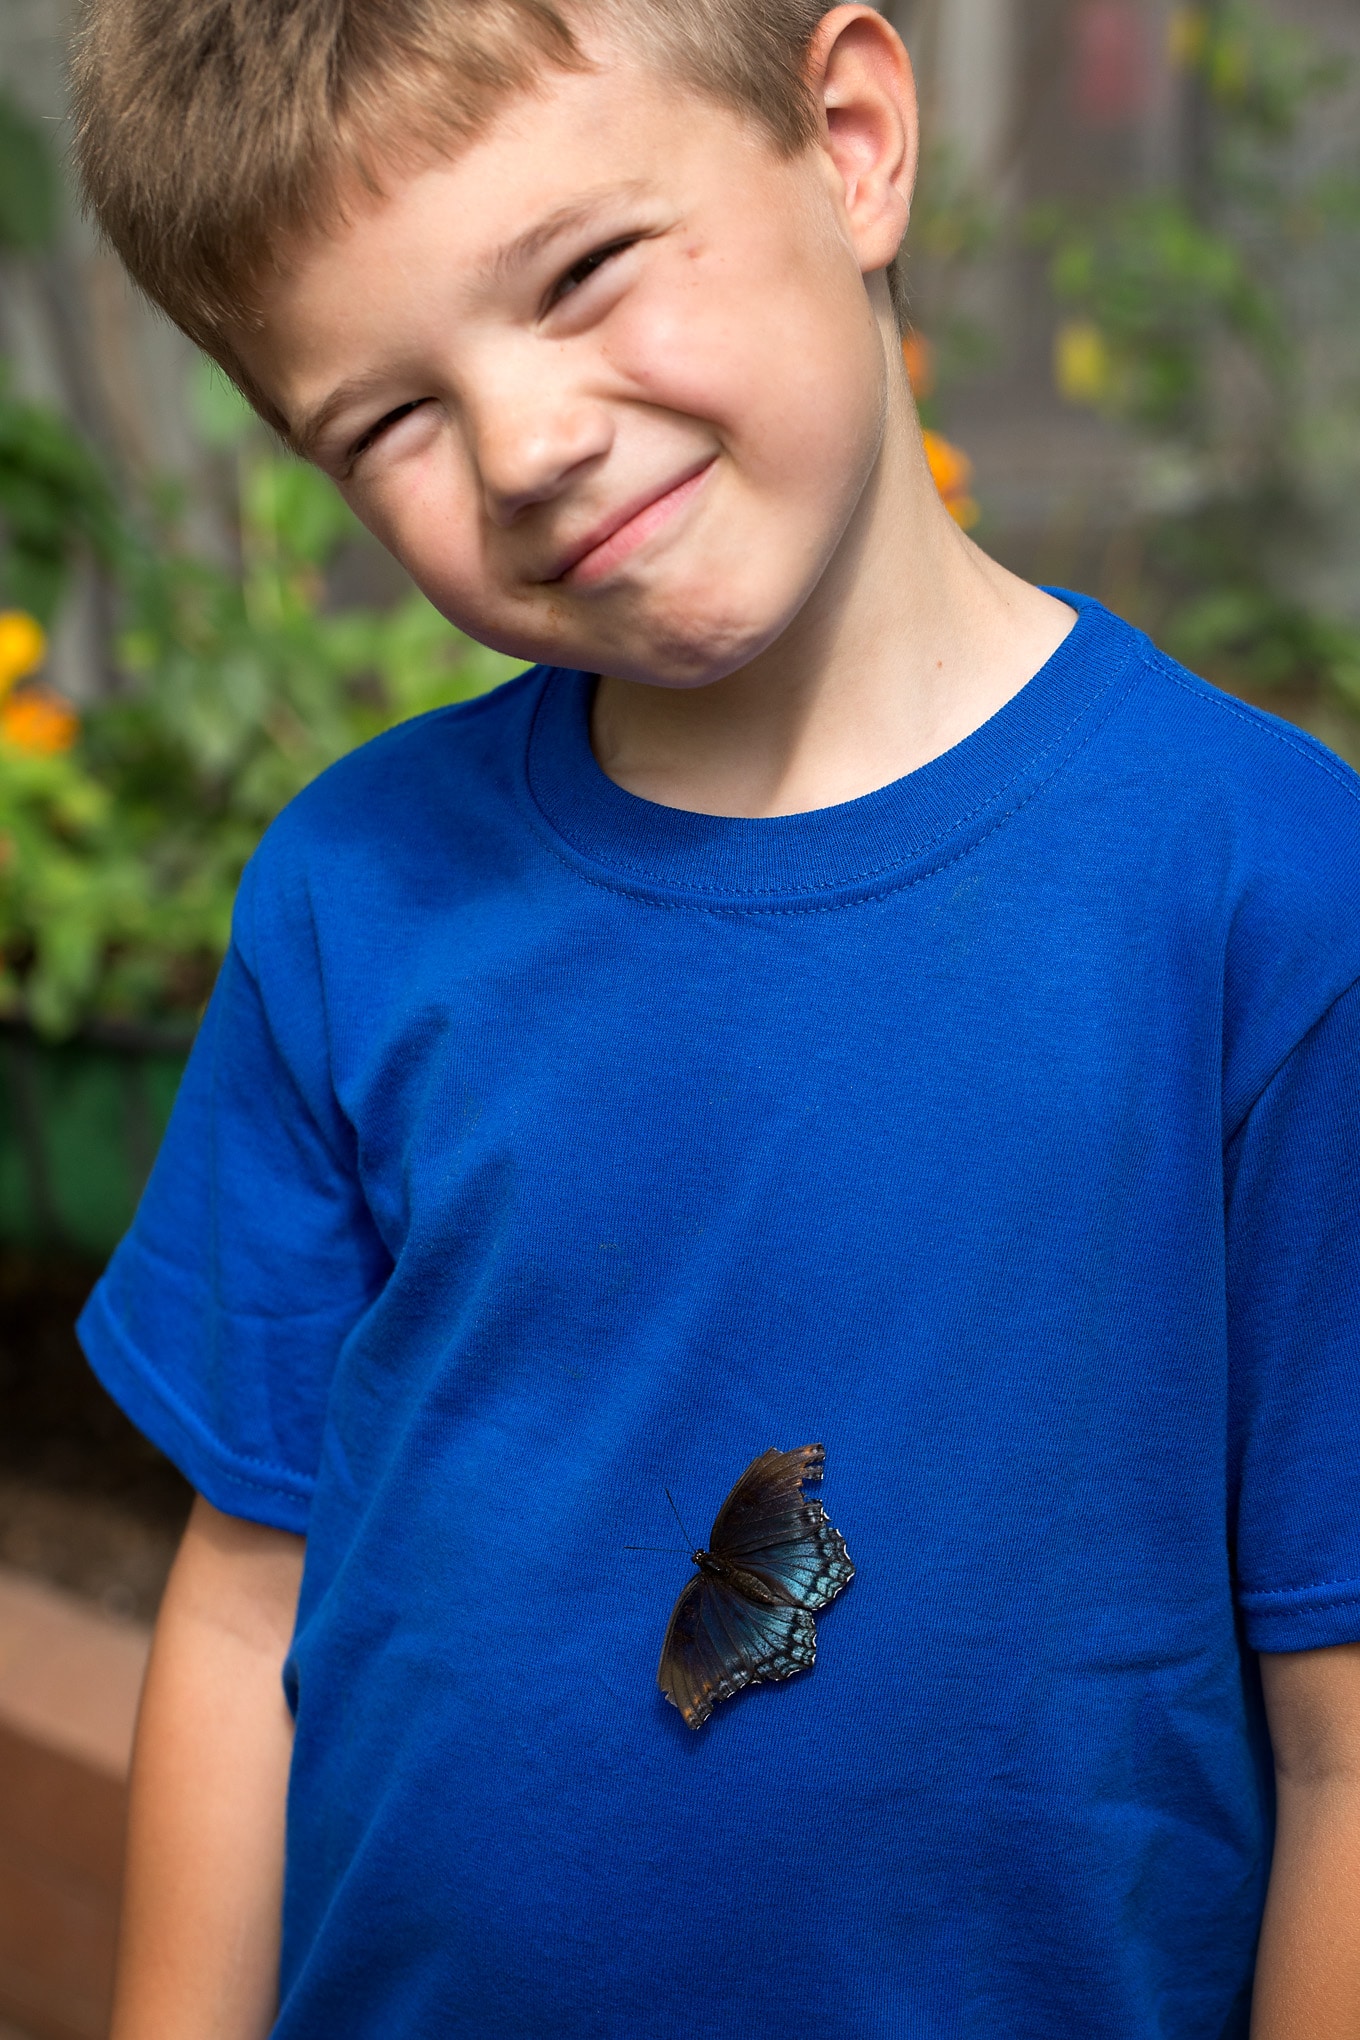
<point>952,472</point>
<point>38,722</point>
<point>1187,36</point>
<point>1082,368</point>
<point>23,646</point>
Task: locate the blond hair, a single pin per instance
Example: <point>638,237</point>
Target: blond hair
<point>212,133</point>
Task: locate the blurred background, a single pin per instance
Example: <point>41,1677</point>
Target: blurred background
<point>1134,271</point>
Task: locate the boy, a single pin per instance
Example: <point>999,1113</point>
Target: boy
<point>890,1006</point>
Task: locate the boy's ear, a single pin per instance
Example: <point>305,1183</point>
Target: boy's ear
<point>862,75</point>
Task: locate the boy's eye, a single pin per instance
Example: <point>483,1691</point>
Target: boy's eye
<point>375,430</point>
<point>573,278</point>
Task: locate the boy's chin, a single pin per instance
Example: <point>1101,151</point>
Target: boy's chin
<point>695,653</point>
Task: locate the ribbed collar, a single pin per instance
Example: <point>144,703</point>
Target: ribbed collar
<point>871,844</point>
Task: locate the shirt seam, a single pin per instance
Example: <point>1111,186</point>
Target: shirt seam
<point>1243,1118</point>
<point>736,905</point>
<point>1352,1593</point>
<point>1256,719</point>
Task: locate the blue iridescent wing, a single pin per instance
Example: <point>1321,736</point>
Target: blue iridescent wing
<point>768,1527</point>
<point>716,1643</point>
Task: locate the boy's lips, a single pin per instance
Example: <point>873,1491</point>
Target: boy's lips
<point>595,555</point>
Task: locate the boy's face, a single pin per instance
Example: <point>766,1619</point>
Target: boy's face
<point>609,384</point>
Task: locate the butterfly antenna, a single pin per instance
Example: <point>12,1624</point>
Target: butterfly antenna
<point>668,1549</point>
<point>690,1545</point>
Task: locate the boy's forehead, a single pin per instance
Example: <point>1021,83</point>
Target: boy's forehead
<point>554,152</point>
<point>548,160</point>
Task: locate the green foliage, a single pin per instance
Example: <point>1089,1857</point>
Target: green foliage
<point>953,229</point>
<point>1262,74</point>
<point>1200,313</point>
<point>119,860</point>
<point>54,503</point>
<point>1221,612</point>
<point>29,203</point>
<point>1164,292</point>
<point>951,221</point>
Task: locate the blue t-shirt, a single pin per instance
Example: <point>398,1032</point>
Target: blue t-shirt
<point>544,1148</point>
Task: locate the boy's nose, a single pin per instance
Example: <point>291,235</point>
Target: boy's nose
<point>530,446</point>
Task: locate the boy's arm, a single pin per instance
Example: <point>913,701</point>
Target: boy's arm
<point>1308,1969</point>
<point>199,1944</point>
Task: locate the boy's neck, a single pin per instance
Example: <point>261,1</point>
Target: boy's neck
<point>913,639</point>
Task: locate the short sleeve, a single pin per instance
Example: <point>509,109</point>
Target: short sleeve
<point>1293,1217</point>
<point>218,1323</point>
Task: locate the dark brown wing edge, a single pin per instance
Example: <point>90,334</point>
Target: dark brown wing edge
<point>716,1643</point>
<point>689,1674</point>
<point>776,1477</point>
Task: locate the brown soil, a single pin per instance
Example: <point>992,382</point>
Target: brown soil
<point>85,1501</point>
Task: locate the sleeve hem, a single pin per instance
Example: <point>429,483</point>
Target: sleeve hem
<point>1302,1618</point>
<point>239,1487</point>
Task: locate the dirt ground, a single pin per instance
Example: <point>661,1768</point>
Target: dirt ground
<point>85,1501</point>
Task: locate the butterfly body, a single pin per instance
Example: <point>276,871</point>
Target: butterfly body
<point>746,1584</point>
<point>773,1561</point>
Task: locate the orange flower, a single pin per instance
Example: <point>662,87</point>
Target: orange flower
<point>38,722</point>
<point>952,472</point>
<point>23,646</point>
<point>919,356</point>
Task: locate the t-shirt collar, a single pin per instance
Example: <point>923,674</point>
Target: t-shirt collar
<point>873,843</point>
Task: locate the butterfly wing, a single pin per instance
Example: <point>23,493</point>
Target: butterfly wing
<point>768,1527</point>
<point>716,1643</point>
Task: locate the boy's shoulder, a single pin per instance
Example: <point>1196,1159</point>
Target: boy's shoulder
<point>1254,750</point>
<point>446,752</point>
<point>1222,778</point>
<point>1264,804</point>
<point>423,786</point>
<point>429,808</point>
<point>1248,832</point>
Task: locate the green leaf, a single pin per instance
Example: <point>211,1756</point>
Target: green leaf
<point>54,502</point>
<point>222,417</point>
<point>29,188</point>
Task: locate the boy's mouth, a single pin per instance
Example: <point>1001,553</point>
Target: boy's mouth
<point>600,550</point>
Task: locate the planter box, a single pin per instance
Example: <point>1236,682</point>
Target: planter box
<point>80,1122</point>
<point>69,1680</point>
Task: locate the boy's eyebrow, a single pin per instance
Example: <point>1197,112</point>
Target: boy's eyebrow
<point>578,213</point>
<point>303,436</point>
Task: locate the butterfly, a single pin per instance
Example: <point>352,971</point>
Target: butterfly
<point>773,1560</point>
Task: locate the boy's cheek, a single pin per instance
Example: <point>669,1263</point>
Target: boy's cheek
<point>741,358</point>
<point>425,516</point>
